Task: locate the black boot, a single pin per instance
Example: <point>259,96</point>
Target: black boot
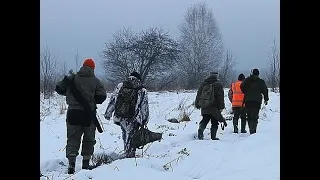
<point>85,162</point>
<point>252,128</point>
<point>71,167</point>
<point>200,134</point>
<point>235,125</point>
<point>243,131</point>
<point>235,129</point>
<point>86,165</point>
<point>243,126</point>
<point>214,133</point>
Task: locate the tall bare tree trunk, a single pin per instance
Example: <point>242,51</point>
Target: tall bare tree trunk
<point>201,44</point>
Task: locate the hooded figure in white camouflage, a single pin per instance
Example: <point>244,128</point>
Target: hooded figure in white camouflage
<point>130,125</point>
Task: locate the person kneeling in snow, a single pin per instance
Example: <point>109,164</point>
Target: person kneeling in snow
<point>129,102</point>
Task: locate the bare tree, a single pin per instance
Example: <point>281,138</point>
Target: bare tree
<point>107,85</point>
<point>117,60</point>
<point>227,72</point>
<point>64,68</point>
<point>201,44</point>
<point>48,72</point>
<point>76,58</point>
<point>166,80</point>
<point>149,52</point>
<point>273,74</point>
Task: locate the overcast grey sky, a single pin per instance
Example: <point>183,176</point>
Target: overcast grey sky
<point>248,26</point>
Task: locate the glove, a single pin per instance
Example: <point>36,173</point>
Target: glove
<point>224,125</point>
<point>265,102</point>
<point>220,110</point>
<point>107,117</point>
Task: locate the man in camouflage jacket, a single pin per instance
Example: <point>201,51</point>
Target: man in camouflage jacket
<point>130,125</point>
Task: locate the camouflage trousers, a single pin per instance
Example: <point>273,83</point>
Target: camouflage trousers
<point>74,134</point>
<point>128,129</point>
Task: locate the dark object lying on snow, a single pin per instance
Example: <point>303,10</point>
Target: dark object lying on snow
<point>173,120</point>
<point>144,136</point>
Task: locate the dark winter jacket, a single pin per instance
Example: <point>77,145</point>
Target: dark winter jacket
<point>218,103</point>
<point>89,86</point>
<point>142,106</point>
<point>253,87</point>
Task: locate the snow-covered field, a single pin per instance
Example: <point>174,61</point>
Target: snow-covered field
<point>178,155</point>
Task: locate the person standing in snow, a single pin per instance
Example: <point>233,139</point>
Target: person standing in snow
<point>129,103</point>
<point>78,123</point>
<point>213,111</point>
<point>253,88</point>
<point>238,107</point>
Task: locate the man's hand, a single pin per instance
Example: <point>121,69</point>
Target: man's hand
<point>225,124</point>
<point>107,117</point>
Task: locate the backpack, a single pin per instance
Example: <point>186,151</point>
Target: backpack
<point>207,96</point>
<point>126,100</point>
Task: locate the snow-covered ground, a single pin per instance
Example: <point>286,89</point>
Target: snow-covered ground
<point>179,155</point>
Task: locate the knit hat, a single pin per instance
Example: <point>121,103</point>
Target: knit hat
<point>135,74</point>
<point>241,77</point>
<point>255,72</point>
<point>89,62</point>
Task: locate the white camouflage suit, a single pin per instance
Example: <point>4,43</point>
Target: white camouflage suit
<point>129,125</point>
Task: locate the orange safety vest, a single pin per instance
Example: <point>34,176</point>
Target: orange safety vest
<point>237,95</point>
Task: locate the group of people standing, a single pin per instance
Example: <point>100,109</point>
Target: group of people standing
<point>245,95</point>
<point>133,112</point>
